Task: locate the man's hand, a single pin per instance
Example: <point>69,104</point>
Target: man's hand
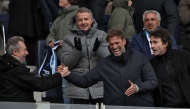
<point>51,44</point>
<point>63,70</point>
<point>131,90</point>
<point>60,42</point>
<point>96,45</point>
<point>78,44</point>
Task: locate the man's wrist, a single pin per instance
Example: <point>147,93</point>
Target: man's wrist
<point>68,73</point>
<point>137,88</point>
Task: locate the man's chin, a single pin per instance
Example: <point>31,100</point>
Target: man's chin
<point>117,54</point>
<point>151,30</point>
<point>24,61</point>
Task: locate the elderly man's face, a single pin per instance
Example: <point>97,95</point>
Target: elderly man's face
<point>151,22</point>
<point>84,21</point>
<point>21,52</point>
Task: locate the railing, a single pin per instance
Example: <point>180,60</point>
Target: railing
<point>46,105</point>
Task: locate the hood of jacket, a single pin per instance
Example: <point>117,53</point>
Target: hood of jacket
<point>64,11</point>
<point>8,62</point>
<point>74,28</point>
<point>120,3</point>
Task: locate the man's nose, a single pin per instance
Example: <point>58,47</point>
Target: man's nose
<point>149,22</point>
<point>27,53</point>
<point>83,21</point>
<point>152,45</point>
<point>114,46</point>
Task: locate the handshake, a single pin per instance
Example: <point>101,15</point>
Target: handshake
<point>63,70</point>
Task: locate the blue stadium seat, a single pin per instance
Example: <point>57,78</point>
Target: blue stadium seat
<point>106,19</point>
<point>4,20</point>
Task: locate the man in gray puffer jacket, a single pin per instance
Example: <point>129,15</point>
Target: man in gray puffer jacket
<point>81,50</point>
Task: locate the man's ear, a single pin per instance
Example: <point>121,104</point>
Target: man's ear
<point>92,21</point>
<point>14,52</point>
<point>165,45</point>
<point>124,41</point>
<point>159,23</point>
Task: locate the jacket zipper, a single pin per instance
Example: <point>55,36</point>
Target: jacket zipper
<point>173,84</point>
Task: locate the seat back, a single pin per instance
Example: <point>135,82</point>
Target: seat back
<point>4,21</point>
<point>41,52</point>
<point>106,19</point>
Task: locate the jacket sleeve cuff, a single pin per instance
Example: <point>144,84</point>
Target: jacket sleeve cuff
<point>137,88</point>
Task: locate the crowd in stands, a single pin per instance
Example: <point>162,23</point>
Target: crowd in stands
<point>89,44</point>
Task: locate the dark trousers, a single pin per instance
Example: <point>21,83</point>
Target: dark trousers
<point>97,7</point>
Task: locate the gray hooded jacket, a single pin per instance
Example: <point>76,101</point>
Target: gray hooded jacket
<point>80,62</point>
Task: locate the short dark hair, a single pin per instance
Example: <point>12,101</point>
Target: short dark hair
<point>164,35</point>
<point>115,32</point>
<point>73,2</point>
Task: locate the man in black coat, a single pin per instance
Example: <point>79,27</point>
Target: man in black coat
<point>167,10</point>
<point>16,82</point>
<point>172,68</point>
<point>128,76</point>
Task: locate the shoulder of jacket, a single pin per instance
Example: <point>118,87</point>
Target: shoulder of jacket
<point>139,35</point>
<point>179,52</point>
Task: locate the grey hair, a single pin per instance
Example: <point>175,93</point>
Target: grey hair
<point>152,11</point>
<point>12,44</point>
<point>82,10</point>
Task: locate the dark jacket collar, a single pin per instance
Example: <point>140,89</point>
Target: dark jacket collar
<point>165,56</point>
<point>8,62</point>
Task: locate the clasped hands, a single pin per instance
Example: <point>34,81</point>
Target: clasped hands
<point>63,70</point>
<point>78,44</point>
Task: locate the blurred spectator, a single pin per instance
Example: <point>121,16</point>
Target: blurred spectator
<point>141,41</point>
<point>81,50</point>
<point>122,18</point>
<point>184,16</point>
<point>5,6</point>
<point>25,20</point>
<point>109,7</point>
<point>97,7</point>
<point>49,9</point>
<point>59,29</point>
<point>167,10</point>
<point>176,2</point>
